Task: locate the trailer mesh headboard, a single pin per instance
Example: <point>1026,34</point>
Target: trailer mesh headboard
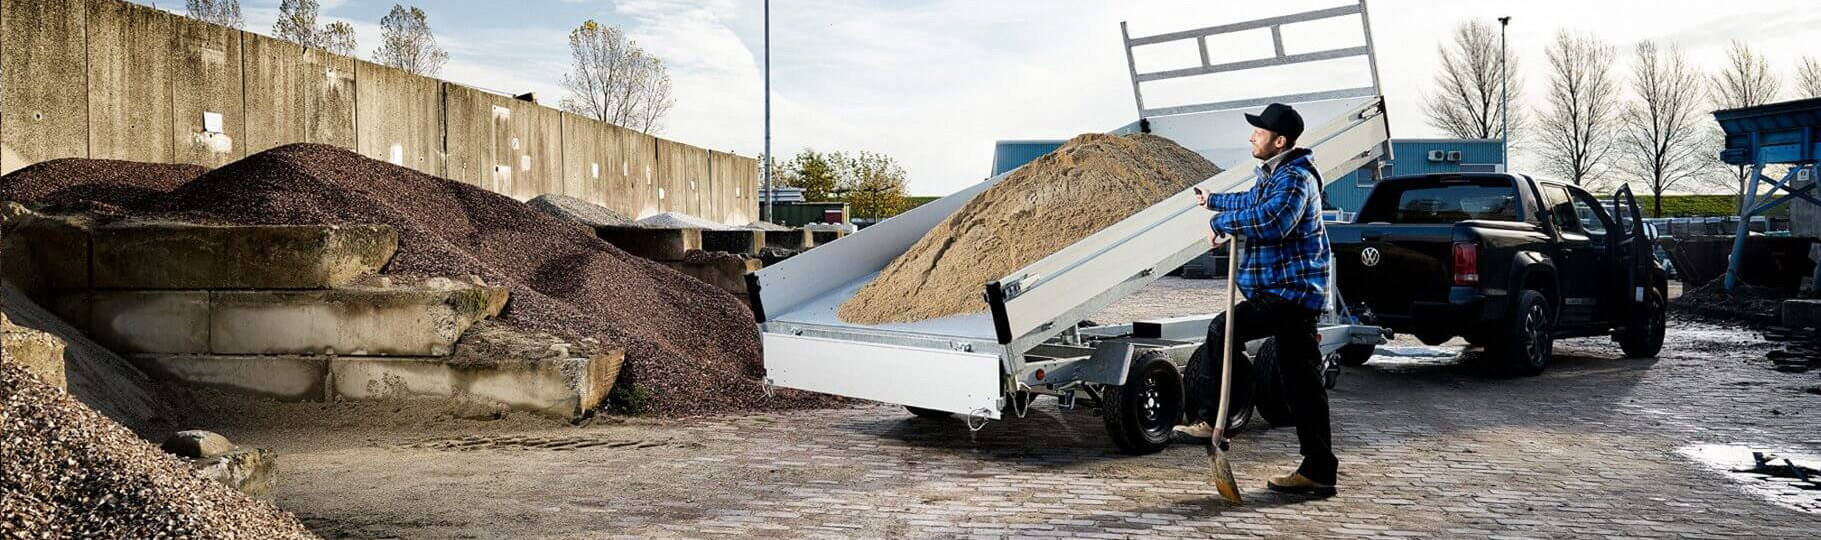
<point>1275,24</point>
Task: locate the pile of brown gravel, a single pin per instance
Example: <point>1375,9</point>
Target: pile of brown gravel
<point>1090,182</point>
<point>66,471</point>
<point>690,348</point>
<point>102,185</point>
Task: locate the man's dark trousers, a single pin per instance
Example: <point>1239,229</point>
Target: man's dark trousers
<point>1299,365</point>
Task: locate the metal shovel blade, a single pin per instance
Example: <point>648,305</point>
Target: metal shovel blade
<point>1221,473</point>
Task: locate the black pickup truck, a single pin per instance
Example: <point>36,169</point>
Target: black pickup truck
<point>1506,261</point>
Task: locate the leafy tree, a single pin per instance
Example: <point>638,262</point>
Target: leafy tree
<point>811,170</point>
<point>406,42</point>
<point>297,23</point>
<point>222,12</point>
<point>872,184</point>
<point>613,80</point>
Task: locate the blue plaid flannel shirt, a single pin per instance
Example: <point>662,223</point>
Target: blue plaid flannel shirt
<point>1287,247</point>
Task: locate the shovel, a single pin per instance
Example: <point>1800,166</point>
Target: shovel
<point>1220,471</point>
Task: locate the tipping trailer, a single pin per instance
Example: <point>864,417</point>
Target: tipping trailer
<point>1030,342</point>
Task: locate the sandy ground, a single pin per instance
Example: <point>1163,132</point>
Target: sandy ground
<point>1599,445</point>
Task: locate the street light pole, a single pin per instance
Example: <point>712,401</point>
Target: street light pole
<point>1504,97</point>
<point>766,215</point>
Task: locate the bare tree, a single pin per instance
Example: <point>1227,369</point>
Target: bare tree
<point>1576,124</point>
<point>406,42</point>
<point>1744,81</point>
<point>222,12</point>
<point>1663,136</point>
<point>613,80</point>
<point>1471,98</point>
<point>1808,77</point>
<point>297,23</point>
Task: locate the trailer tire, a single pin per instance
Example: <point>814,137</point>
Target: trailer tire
<point>1239,411</point>
<point>1268,392</point>
<point>1357,354</point>
<point>1141,414</point>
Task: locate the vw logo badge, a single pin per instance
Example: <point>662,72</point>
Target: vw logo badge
<point>1369,256</point>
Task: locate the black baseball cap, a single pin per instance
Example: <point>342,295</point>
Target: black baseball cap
<point>1280,119</point>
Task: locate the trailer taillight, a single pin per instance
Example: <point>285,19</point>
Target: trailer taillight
<point>1466,263</point>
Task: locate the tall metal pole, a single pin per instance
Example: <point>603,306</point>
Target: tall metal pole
<point>766,216</point>
<point>1504,96</point>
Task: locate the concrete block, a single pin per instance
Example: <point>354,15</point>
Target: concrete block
<point>208,107</point>
<point>41,353</point>
<point>738,241</point>
<point>329,88</point>
<point>727,274</point>
<point>286,378</point>
<point>1801,313</point>
<point>41,82</point>
<point>164,255</point>
<point>641,153</point>
<point>823,237</point>
<point>540,165</point>
<point>794,239</point>
<point>469,148</point>
<point>558,387</point>
<point>584,173</point>
<point>129,83</point>
<point>166,322</point>
<point>654,244</point>
<point>275,92</point>
<point>358,321</point>
<point>249,470</point>
<point>399,117</point>
<point>43,254</point>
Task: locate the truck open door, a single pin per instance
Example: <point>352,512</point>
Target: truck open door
<point>1632,246</point>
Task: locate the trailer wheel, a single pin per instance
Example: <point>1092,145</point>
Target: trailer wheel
<point>1239,410</point>
<point>1268,394</point>
<point>1141,414</point>
<point>1357,354</point>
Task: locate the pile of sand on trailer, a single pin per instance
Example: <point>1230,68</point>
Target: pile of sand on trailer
<point>72,473</point>
<point>1091,182</point>
<point>690,347</point>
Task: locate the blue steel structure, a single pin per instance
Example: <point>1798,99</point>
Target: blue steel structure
<point>1777,133</point>
<point>1415,156</point>
<point>1008,155</point>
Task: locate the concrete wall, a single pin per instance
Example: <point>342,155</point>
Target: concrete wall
<point>115,80</point>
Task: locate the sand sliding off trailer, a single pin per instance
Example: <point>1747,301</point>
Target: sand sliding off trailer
<point>1031,341</point>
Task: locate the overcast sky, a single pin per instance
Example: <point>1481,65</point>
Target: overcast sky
<point>933,83</point>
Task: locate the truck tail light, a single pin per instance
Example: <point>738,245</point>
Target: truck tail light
<point>1466,263</point>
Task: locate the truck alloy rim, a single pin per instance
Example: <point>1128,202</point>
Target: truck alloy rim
<point>1536,330</point>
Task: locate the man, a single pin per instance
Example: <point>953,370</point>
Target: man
<point>1284,276</point>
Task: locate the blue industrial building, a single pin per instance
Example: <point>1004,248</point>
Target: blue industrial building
<point>1418,156</point>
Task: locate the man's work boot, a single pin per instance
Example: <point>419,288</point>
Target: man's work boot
<point>1197,432</point>
<point>1297,483</point>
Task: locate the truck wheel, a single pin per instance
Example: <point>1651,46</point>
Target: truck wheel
<point>1141,413</point>
<point>927,413</point>
<point>1357,354</point>
<point>1239,411</point>
<point>1526,346</point>
<point>1643,338</point>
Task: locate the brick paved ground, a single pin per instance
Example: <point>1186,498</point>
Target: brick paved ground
<point>1429,448</point>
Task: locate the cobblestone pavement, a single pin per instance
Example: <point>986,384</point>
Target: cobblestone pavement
<point>1430,447</point>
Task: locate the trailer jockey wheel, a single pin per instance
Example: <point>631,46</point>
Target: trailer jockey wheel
<point>1141,413</point>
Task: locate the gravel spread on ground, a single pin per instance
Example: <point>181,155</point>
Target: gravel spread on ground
<point>690,347</point>
<point>677,220</point>
<point>579,211</point>
<point>66,471</point>
<point>1091,182</point>
<point>766,226</point>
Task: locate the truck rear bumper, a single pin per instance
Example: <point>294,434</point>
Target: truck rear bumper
<point>1466,311</point>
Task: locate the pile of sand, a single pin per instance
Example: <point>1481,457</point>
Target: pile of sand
<point>69,472</point>
<point>1089,183</point>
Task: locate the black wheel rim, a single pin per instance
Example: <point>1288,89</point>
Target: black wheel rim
<point>1156,414</point>
<point>1536,335</point>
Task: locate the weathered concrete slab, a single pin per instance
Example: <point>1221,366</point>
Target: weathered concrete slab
<point>40,352</point>
<point>584,172</point>
<point>1801,313</point>
<point>359,321</point>
<point>541,164</point>
<point>737,241</point>
<point>399,117</point>
<point>727,273</point>
<point>329,89</point>
<point>129,84</point>
<point>208,109</point>
<point>165,255</point>
<point>794,239</point>
<point>284,377</point>
<point>654,244</point>
<point>470,135</point>
<point>42,254</point>
<point>558,387</point>
<point>42,74</point>
<point>642,166</point>
<point>165,322</point>
<point>276,109</point>
<point>252,471</point>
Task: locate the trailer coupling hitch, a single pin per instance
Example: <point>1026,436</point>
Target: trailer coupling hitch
<point>978,419</point>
